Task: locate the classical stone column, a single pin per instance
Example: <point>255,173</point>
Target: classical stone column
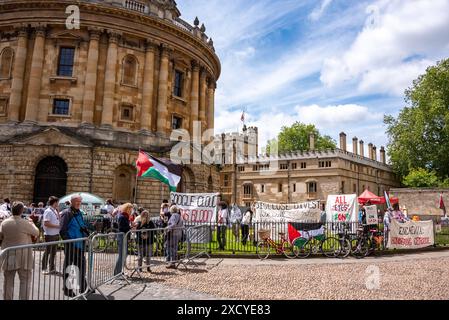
<point>15,99</point>
<point>203,92</point>
<point>90,84</point>
<point>211,105</point>
<point>162,112</point>
<point>109,81</point>
<point>148,88</point>
<point>194,102</point>
<point>34,86</point>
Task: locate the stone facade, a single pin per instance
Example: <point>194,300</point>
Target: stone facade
<point>135,67</point>
<point>301,176</point>
<point>422,202</point>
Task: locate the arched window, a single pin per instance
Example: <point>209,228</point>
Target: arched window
<point>7,56</point>
<point>129,70</point>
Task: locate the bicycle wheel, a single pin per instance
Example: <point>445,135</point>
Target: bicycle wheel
<point>98,246</point>
<point>345,248</point>
<point>263,250</point>
<point>289,250</point>
<point>362,248</point>
<point>330,247</point>
<point>303,250</point>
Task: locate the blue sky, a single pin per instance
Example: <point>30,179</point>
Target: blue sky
<point>338,64</point>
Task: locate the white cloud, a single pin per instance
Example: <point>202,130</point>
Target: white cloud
<point>400,40</point>
<point>318,12</point>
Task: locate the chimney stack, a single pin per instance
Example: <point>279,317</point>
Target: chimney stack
<point>312,142</point>
<point>375,153</point>
<point>355,146</point>
<point>383,159</point>
<point>362,148</point>
<point>343,141</point>
<point>370,151</point>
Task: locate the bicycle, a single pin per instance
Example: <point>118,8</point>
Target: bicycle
<point>318,243</point>
<point>344,237</point>
<point>264,247</point>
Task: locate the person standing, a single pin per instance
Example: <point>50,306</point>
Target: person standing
<point>222,223</point>
<point>16,231</point>
<point>174,235</point>
<point>51,226</point>
<point>246,223</point>
<point>236,220</point>
<point>145,238</point>
<point>6,206</point>
<point>73,227</point>
<point>123,227</point>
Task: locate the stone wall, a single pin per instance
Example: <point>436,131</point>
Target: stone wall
<point>421,202</point>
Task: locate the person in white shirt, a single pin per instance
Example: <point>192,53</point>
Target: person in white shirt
<point>222,223</point>
<point>51,226</point>
<point>6,206</point>
<point>246,223</point>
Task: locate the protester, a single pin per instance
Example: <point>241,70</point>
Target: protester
<point>222,224</point>
<point>386,221</point>
<point>16,231</point>
<point>31,208</point>
<point>398,214</point>
<point>124,213</point>
<point>51,226</point>
<point>144,238</point>
<point>246,222</point>
<point>174,234</point>
<point>6,206</point>
<point>73,227</point>
<point>236,220</point>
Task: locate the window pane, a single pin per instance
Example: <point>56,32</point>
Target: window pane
<point>65,66</point>
<point>178,83</point>
<point>129,70</point>
<point>61,106</point>
<point>5,63</point>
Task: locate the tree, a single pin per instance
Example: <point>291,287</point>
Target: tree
<point>421,178</point>
<point>296,138</point>
<point>419,136</point>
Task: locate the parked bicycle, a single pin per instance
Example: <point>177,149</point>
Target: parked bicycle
<point>268,246</point>
<point>318,242</point>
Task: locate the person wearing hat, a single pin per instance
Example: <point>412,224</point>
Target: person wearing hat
<point>16,231</point>
<point>174,234</point>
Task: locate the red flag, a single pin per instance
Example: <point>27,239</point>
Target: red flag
<point>442,206</point>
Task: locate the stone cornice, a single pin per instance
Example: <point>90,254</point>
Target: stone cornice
<point>96,8</point>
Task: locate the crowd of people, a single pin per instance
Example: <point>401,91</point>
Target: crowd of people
<point>20,225</point>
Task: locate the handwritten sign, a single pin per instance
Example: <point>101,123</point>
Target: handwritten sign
<point>371,215</point>
<point>410,234</point>
<point>296,212</point>
<point>342,208</point>
<point>196,207</point>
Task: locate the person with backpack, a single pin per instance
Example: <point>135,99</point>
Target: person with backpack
<point>222,224</point>
<point>174,234</point>
<point>73,227</point>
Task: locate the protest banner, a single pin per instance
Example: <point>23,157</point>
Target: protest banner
<point>296,212</point>
<point>196,207</point>
<point>410,234</point>
<point>342,208</point>
<point>371,215</point>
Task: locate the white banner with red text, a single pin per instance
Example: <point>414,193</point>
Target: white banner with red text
<point>410,234</point>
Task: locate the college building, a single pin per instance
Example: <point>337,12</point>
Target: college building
<point>76,104</point>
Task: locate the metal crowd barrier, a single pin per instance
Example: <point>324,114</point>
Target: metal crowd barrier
<point>107,257</point>
<point>65,279</point>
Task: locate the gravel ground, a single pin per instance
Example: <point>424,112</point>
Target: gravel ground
<point>420,279</point>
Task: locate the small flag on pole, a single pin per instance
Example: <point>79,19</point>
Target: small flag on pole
<point>243,117</point>
<point>442,206</point>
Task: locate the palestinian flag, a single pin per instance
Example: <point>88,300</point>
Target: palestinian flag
<point>160,169</point>
<point>300,232</point>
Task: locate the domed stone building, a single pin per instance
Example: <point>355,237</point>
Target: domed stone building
<point>78,101</point>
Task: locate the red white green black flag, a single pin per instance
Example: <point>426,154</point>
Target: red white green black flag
<point>160,169</point>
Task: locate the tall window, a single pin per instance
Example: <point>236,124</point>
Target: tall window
<point>226,180</point>
<point>61,106</point>
<point>176,123</point>
<point>303,165</point>
<point>129,70</point>
<point>3,106</point>
<point>280,187</point>
<point>283,166</point>
<point>66,57</point>
<point>294,187</point>
<point>179,81</point>
<point>6,63</point>
<point>241,168</point>
<point>247,190</point>
<point>311,187</point>
<point>294,165</point>
<point>262,188</point>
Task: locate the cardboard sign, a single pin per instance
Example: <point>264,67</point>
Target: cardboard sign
<point>371,215</point>
<point>342,208</point>
<point>196,207</point>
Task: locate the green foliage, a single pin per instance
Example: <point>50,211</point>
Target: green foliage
<point>419,136</point>
<point>296,138</point>
<point>421,178</point>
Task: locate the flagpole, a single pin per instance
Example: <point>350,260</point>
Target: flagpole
<point>137,181</point>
